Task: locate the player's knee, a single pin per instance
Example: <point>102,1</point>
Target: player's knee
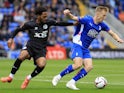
<point>21,58</point>
<point>88,68</point>
<point>77,66</point>
<point>41,64</point>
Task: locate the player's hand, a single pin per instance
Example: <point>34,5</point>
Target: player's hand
<point>76,23</point>
<point>10,42</point>
<point>120,41</point>
<point>66,12</point>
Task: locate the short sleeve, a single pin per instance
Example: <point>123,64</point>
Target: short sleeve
<point>26,26</point>
<point>84,19</point>
<point>105,27</point>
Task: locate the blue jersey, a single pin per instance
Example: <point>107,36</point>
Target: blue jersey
<point>86,31</point>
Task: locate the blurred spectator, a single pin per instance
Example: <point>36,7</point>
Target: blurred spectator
<point>116,6</point>
<point>16,3</point>
<point>6,3</point>
<point>121,16</point>
<point>19,40</point>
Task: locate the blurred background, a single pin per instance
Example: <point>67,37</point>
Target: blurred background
<point>14,13</point>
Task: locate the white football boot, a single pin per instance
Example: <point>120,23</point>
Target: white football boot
<point>71,85</point>
<point>56,80</point>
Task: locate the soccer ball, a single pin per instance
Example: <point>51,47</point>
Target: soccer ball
<point>100,82</point>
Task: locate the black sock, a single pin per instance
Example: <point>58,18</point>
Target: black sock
<point>36,71</point>
<point>16,66</point>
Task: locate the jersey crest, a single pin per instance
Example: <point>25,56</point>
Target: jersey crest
<point>92,33</point>
<point>45,26</point>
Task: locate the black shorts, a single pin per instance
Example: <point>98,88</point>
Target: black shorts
<point>35,52</point>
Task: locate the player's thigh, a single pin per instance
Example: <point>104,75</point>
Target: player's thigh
<point>41,61</point>
<point>24,55</point>
<point>88,64</point>
<point>78,61</point>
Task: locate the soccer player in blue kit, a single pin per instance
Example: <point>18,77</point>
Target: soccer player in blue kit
<point>87,29</point>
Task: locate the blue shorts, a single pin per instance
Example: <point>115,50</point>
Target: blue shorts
<point>79,51</point>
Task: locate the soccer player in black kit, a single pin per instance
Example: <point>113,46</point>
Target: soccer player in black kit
<point>38,30</point>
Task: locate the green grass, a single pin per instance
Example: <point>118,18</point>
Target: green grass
<point>111,69</point>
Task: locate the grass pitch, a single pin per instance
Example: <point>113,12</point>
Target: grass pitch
<point>111,69</point>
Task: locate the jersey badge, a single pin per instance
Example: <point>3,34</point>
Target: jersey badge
<point>45,26</point>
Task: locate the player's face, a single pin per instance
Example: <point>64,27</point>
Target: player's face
<point>43,16</point>
<point>100,16</point>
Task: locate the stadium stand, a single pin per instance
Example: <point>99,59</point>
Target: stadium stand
<point>15,12</point>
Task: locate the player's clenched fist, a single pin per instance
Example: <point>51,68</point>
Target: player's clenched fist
<point>66,11</point>
<point>10,41</point>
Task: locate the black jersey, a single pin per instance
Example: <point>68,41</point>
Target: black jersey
<point>39,32</point>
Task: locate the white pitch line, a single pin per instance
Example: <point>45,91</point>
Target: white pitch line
<point>47,80</point>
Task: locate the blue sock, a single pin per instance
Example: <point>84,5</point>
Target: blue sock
<point>80,75</point>
<point>69,69</point>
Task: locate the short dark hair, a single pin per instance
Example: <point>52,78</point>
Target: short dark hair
<point>39,10</point>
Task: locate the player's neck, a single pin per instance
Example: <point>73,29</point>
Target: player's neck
<point>37,21</point>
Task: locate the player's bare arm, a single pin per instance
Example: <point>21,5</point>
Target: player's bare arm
<point>115,36</point>
<point>69,14</point>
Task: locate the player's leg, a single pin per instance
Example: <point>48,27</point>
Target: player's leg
<point>82,73</point>
<point>77,64</point>
<point>40,60</point>
<point>87,62</point>
<point>77,56</point>
<point>23,55</point>
<point>41,63</point>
